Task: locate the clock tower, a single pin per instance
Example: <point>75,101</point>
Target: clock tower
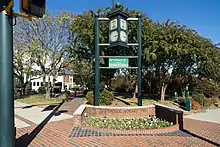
<point>118,28</point>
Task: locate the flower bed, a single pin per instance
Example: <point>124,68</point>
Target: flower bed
<point>127,123</point>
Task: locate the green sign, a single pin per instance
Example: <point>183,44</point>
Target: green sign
<point>118,62</point>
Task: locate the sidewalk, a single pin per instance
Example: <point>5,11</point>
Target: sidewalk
<point>53,133</point>
<point>35,115</point>
<point>212,115</point>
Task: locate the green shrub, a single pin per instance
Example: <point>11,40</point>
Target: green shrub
<point>207,87</point>
<point>75,89</point>
<point>207,102</point>
<point>90,97</point>
<point>199,98</point>
<point>67,94</point>
<point>182,102</point>
<point>195,105</point>
<point>106,97</point>
<point>215,100</point>
<point>42,90</point>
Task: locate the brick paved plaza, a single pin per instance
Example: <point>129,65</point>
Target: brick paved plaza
<point>64,134</point>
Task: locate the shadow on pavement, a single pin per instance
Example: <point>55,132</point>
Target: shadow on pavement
<point>123,101</point>
<point>200,137</point>
<point>193,134</point>
<point>26,139</point>
<point>26,107</point>
<point>48,108</point>
<point>60,112</point>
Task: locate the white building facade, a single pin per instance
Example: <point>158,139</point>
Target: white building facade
<point>62,80</point>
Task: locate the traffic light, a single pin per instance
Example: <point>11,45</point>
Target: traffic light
<point>33,7</point>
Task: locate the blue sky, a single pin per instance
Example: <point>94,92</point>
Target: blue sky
<point>201,15</point>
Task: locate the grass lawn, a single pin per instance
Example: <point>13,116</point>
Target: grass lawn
<point>40,100</point>
<point>121,101</point>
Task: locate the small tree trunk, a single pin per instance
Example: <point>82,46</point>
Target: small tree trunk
<point>47,93</point>
<point>163,91</point>
<point>53,85</point>
<point>135,91</point>
<point>44,80</point>
<point>22,91</point>
<point>48,88</point>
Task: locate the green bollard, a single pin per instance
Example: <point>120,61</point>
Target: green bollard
<point>188,102</point>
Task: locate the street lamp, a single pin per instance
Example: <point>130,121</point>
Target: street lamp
<point>118,28</point>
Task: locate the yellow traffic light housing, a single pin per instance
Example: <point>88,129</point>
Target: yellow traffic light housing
<point>33,7</point>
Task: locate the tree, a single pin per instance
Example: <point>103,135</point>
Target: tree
<point>83,74</point>
<point>23,61</point>
<point>23,68</point>
<point>48,40</point>
<point>171,51</point>
<point>83,27</point>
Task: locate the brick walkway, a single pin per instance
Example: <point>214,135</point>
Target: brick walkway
<point>57,134</point>
<point>61,134</point>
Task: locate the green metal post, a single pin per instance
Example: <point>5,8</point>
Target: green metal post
<point>188,102</point>
<point>187,93</point>
<point>97,63</point>
<point>139,76</point>
<point>7,131</point>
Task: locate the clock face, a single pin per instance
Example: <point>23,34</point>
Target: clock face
<point>123,36</point>
<point>123,24</point>
<point>114,36</point>
<point>114,24</point>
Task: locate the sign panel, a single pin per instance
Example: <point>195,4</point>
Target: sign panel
<point>118,62</point>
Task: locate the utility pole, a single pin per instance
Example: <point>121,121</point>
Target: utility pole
<point>7,130</point>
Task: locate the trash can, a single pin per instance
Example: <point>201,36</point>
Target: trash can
<point>188,105</point>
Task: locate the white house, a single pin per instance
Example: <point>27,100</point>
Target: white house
<point>64,79</point>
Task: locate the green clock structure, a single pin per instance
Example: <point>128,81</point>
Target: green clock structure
<point>118,28</point>
<point>118,39</point>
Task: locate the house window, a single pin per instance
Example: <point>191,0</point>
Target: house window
<point>34,83</point>
<point>38,84</point>
<point>41,83</point>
